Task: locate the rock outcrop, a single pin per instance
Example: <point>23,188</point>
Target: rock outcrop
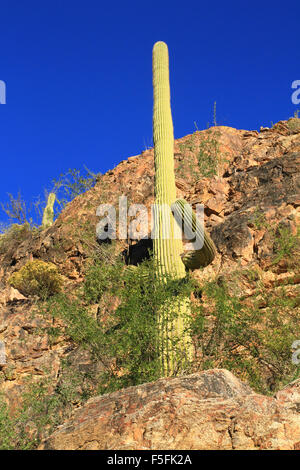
<point>209,410</point>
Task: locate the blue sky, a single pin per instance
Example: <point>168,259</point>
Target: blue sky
<point>79,79</point>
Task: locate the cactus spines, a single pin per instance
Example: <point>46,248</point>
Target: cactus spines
<point>48,214</point>
<point>167,247</point>
<point>186,218</point>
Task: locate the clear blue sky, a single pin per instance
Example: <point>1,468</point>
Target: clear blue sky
<point>79,78</point>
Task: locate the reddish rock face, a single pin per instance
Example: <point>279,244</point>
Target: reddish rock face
<point>255,172</point>
<point>209,410</point>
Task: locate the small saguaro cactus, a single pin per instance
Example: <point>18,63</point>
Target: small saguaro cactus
<point>48,214</point>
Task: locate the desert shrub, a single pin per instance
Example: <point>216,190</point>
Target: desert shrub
<point>125,342</point>
<point>16,209</point>
<point>202,159</point>
<point>252,342</point>
<point>294,124</point>
<point>41,409</point>
<point>103,278</point>
<point>12,236</point>
<point>286,246</point>
<point>72,184</point>
<point>80,326</point>
<point>208,155</point>
<point>37,278</point>
<point>134,338</point>
<point>24,212</point>
<point>7,431</point>
<point>284,241</point>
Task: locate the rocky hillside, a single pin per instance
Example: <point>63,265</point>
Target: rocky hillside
<point>249,183</point>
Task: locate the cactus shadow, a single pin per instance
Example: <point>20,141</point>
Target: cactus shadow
<point>138,252</point>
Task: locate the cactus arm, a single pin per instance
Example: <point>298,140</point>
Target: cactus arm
<point>48,214</point>
<point>193,259</point>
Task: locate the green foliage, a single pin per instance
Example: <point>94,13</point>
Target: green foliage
<point>208,155</point>
<point>286,246</point>
<point>294,123</point>
<point>258,219</point>
<point>80,326</point>
<point>41,410</point>
<point>254,344</point>
<point>125,341</point>
<point>285,243</point>
<point>13,236</point>
<point>7,432</point>
<point>102,278</point>
<point>136,339</point>
<point>202,159</point>
<point>23,213</point>
<point>72,184</point>
<point>16,208</point>
<point>37,278</point>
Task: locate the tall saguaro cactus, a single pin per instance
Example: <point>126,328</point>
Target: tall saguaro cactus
<point>167,248</point>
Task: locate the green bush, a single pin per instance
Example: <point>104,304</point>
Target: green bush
<point>286,246</point>
<point>12,236</point>
<point>134,341</point>
<point>73,183</point>
<point>285,243</point>
<point>123,341</point>
<point>254,343</point>
<point>294,124</point>
<point>103,278</point>
<point>41,410</point>
<point>207,154</point>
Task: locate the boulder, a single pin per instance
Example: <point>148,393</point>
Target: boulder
<point>212,410</point>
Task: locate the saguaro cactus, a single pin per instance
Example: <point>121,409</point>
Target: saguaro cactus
<point>167,248</point>
<point>48,214</point>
